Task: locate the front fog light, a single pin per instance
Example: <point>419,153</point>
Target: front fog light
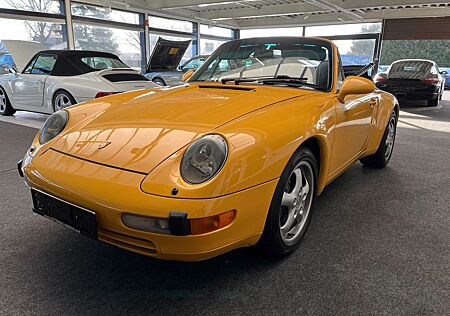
<point>148,224</point>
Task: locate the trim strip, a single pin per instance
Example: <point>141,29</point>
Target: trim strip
<point>98,163</point>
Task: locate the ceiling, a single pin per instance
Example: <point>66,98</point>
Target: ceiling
<point>269,13</point>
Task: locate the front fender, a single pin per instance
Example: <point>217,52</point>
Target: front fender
<point>260,144</point>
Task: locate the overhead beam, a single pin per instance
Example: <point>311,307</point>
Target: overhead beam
<point>330,19</point>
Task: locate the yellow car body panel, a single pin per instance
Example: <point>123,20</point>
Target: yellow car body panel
<point>149,132</point>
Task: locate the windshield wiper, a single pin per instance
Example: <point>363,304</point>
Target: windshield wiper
<point>280,78</point>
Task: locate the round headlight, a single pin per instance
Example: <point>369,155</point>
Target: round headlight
<point>203,159</point>
<point>53,126</point>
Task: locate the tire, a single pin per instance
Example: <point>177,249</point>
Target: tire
<point>433,102</point>
<point>381,158</point>
<point>159,82</point>
<point>62,99</point>
<point>291,202</point>
<point>6,108</point>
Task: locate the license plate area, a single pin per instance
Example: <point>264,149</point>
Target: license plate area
<point>73,217</point>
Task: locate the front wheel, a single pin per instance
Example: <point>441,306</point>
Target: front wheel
<point>5,106</point>
<point>290,211</point>
<point>381,158</point>
<point>62,99</point>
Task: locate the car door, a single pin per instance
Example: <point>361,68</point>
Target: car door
<point>28,86</point>
<point>352,128</point>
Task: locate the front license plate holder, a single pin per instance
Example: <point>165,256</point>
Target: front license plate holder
<point>71,216</point>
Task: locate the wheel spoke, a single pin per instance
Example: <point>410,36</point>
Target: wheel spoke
<point>288,200</point>
<point>286,227</point>
<point>298,180</point>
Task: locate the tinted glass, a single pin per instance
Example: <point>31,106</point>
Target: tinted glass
<point>44,65</point>
<point>194,63</point>
<point>409,69</point>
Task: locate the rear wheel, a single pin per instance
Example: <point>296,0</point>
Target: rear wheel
<point>290,211</point>
<point>159,82</point>
<point>62,99</point>
<point>381,158</point>
<point>5,106</point>
<point>434,102</point>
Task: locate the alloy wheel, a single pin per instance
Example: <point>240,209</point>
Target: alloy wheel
<point>296,202</point>
<point>2,101</point>
<point>390,138</point>
<point>62,101</point>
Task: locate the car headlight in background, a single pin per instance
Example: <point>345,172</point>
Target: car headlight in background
<point>53,126</point>
<point>204,158</point>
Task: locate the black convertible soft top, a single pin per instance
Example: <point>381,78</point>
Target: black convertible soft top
<point>69,62</point>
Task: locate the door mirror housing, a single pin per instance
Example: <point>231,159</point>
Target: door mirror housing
<point>355,85</point>
<point>187,75</point>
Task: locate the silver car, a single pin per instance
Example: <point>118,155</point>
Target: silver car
<point>164,66</point>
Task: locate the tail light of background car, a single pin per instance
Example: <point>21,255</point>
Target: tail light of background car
<point>431,80</point>
<point>104,94</point>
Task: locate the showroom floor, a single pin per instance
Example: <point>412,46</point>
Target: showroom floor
<point>379,243</point>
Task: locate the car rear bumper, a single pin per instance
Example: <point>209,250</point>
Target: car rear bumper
<point>110,193</point>
<point>410,90</point>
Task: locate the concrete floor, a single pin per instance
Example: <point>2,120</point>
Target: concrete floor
<point>379,243</point>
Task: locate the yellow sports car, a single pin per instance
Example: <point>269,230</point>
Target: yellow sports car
<point>235,157</point>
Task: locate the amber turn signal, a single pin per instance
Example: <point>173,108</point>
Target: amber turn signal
<point>209,224</point>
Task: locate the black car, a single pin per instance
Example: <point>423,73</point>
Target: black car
<point>413,79</point>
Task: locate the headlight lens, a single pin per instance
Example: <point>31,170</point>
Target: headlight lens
<point>203,159</point>
<point>53,126</point>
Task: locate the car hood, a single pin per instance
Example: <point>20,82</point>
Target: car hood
<point>167,55</point>
<point>139,132</point>
<point>23,51</point>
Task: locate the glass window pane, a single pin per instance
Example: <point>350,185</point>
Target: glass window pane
<point>100,63</point>
<point>343,29</point>
<point>125,44</point>
<point>189,51</point>
<point>44,6</point>
<point>44,65</point>
<point>356,52</point>
<point>282,31</point>
<point>207,46</point>
<point>435,50</point>
<point>95,12</point>
<point>48,33</point>
<point>217,31</point>
<point>169,24</point>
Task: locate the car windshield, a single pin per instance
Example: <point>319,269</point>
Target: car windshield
<point>102,62</point>
<point>298,62</point>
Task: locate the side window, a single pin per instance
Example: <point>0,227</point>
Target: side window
<point>341,75</point>
<point>28,68</point>
<point>44,65</point>
<point>189,65</point>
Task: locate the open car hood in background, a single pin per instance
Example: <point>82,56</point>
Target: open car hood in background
<point>23,51</point>
<point>167,54</point>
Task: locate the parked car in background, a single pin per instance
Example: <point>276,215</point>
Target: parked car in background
<point>55,79</point>
<point>446,73</point>
<point>164,66</point>
<point>413,79</point>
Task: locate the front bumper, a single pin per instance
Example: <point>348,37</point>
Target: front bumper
<point>110,192</point>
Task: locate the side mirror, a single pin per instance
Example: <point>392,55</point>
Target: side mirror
<point>355,85</point>
<point>443,72</point>
<point>188,74</point>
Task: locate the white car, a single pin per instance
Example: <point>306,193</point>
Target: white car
<point>55,79</point>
